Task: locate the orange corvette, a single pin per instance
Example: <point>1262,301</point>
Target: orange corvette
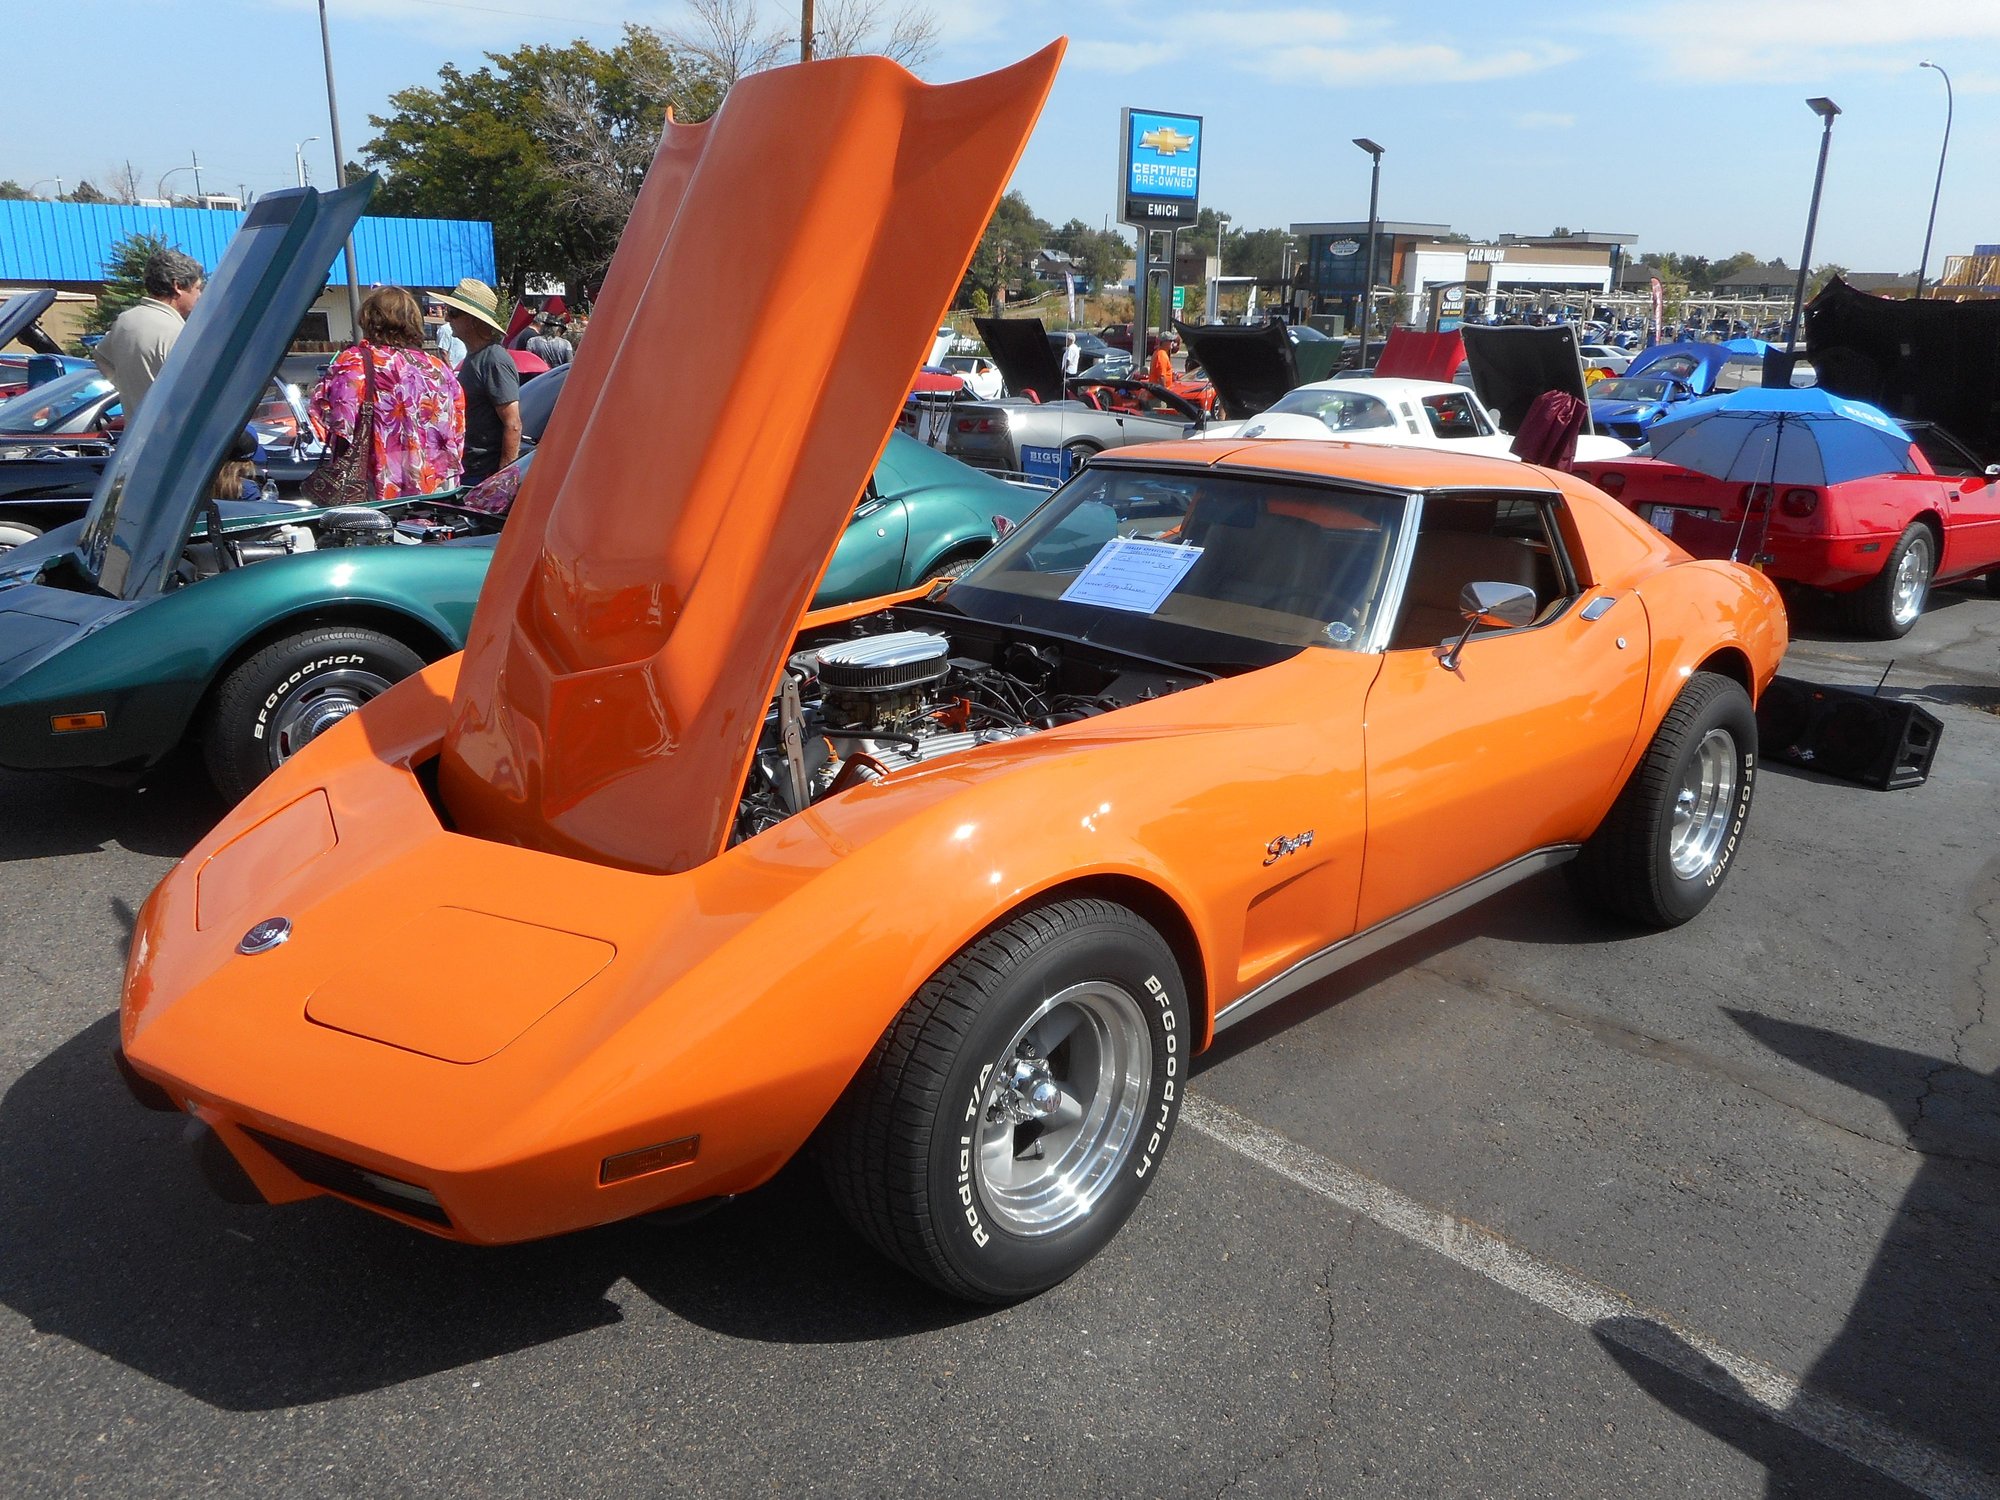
<point>664,878</point>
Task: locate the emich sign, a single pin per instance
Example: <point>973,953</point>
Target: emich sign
<point>1160,173</point>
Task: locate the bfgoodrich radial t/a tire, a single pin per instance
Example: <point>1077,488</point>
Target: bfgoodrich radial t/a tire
<point>1662,852</point>
<point>1011,1118</point>
<point>292,691</point>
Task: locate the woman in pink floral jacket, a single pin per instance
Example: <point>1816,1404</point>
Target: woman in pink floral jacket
<point>419,409</point>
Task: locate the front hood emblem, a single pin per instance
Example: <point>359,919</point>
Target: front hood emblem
<point>266,935</point>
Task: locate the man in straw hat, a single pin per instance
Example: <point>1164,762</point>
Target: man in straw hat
<point>487,375</point>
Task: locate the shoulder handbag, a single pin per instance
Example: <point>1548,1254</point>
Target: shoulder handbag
<point>346,476</point>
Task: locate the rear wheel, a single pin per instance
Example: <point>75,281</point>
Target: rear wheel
<point>1661,853</point>
<point>290,693</point>
<point>1889,605</point>
<point>15,534</point>
<point>1011,1118</point>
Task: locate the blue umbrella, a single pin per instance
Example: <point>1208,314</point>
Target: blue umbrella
<point>1780,437</point>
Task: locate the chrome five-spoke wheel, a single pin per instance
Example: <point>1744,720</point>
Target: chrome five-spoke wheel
<point>1062,1107</point>
<point>1703,805</point>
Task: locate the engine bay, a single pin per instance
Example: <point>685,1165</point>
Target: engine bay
<point>414,524</point>
<point>906,686</point>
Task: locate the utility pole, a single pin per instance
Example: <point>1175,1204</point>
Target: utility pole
<point>1826,109</point>
<point>805,30</point>
<point>340,175</point>
<point>196,160</point>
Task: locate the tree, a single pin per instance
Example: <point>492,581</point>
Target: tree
<point>86,193</point>
<point>548,143</point>
<point>728,40</point>
<point>1100,254</point>
<point>1012,237</point>
<point>731,40</point>
<point>1256,252</point>
<point>13,191</point>
<point>1821,275</point>
<point>124,279</point>
<point>847,28</point>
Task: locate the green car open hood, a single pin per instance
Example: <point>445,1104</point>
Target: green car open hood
<point>166,462</point>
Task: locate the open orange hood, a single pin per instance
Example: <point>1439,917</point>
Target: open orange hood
<point>782,274</point>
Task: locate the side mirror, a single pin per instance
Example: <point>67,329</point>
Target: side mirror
<point>1993,471</point>
<point>1495,606</point>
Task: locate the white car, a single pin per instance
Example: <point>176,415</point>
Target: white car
<point>1404,413</point>
<point>1606,358</point>
<point>981,375</point>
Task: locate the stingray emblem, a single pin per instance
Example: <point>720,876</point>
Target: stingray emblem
<point>1282,845</point>
<point>1166,140</point>
<point>266,935</point>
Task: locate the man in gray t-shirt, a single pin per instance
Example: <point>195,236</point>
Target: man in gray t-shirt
<point>131,354</point>
<point>487,375</point>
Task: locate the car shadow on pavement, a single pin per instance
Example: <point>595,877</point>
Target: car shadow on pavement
<point>1540,911</point>
<point>108,1238</point>
<point>1820,617</point>
<point>44,814</point>
<point>1920,1348</point>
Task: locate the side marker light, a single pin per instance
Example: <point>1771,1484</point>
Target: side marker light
<point>629,1164</point>
<point>74,723</point>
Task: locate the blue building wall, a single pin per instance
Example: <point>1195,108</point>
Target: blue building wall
<point>42,243</point>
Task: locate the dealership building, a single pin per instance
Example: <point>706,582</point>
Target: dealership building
<point>1509,274</point>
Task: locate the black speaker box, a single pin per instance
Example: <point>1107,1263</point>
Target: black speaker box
<point>1879,742</point>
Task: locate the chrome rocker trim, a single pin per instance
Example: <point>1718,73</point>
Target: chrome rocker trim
<point>1392,930</point>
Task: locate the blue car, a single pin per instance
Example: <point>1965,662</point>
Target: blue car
<point>1666,375</point>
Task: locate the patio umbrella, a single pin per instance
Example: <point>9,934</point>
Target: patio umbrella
<point>1780,437</point>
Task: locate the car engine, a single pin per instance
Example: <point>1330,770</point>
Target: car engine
<point>320,531</point>
<point>855,709</point>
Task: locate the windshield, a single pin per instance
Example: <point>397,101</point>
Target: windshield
<point>1341,411</point>
<point>46,408</point>
<point>1207,570</point>
<point>1631,390</point>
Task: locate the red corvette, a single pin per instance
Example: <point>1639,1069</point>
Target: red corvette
<point>1877,542</point>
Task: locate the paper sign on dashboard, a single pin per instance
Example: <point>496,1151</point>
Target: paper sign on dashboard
<point>1129,573</point>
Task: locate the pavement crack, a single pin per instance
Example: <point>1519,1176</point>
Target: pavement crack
<point>1665,1050</point>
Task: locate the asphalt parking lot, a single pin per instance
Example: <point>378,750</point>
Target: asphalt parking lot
<point>1530,1205</point>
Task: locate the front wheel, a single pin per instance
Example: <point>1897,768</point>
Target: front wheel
<point>1661,853</point>
<point>290,693</point>
<point>1010,1119</point>
<point>15,534</point>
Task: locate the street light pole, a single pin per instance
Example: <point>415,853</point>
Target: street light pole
<point>160,187</point>
<point>1931,223</point>
<point>1368,286</point>
<point>1826,109</point>
<point>299,157</point>
<point>340,175</point>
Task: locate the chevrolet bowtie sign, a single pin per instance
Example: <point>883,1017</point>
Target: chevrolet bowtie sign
<point>1159,179</point>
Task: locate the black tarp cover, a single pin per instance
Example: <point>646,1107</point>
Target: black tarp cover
<point>1250,367</point>
<point>1512,366</point>
<point>1020,347</point>
<point>1924,361</point>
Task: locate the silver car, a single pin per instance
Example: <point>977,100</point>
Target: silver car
<point>1097,414</point>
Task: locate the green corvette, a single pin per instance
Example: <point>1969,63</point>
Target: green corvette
<point>162,615</point>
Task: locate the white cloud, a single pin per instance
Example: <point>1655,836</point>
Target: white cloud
<point>1314,45</point>
<point>1422,63</point>
<point>1786,41</point>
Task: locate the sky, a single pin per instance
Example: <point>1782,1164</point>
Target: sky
<point>1681,121</point>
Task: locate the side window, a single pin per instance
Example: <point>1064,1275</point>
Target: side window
<point>1451,416</point>
<point>1480,539</point>
<point>1943,453</point>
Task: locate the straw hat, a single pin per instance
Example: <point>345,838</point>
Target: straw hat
<point>476,299</point>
